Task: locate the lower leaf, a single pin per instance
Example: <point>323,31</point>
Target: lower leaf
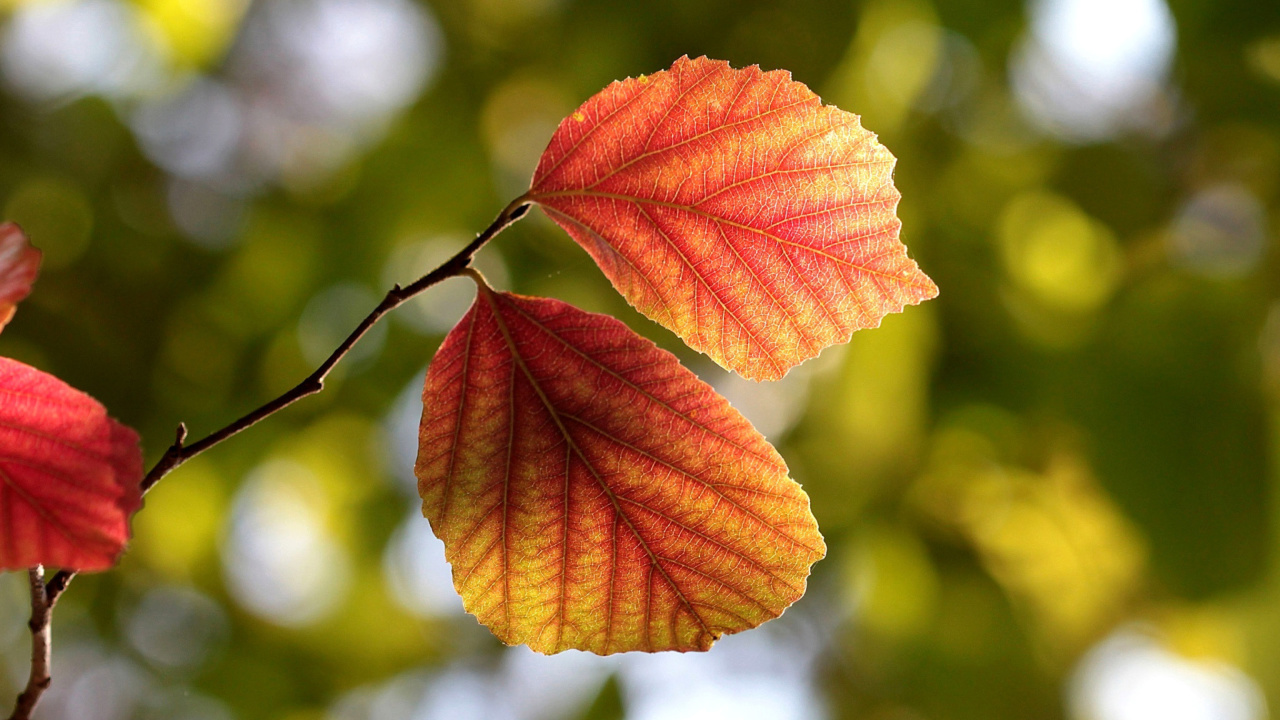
<point>594,494</point>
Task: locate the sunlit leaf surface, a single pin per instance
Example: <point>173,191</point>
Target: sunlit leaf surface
<point>736,209</point>
<point>593,494</point>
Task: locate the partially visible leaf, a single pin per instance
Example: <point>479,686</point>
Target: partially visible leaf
<point>19,265</point>
<point>591,493</point>
<point>736,209</point>
<point>69,475</point>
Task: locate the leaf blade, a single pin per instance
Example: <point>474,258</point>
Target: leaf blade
<point>734,208</point>
<point>69,474</point>
<point>617,502</point>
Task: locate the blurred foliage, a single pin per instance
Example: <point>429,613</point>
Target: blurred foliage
<point>1070,448</point>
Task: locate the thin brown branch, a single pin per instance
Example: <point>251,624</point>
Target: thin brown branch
<point>41,638</point>
<point>180,452</point>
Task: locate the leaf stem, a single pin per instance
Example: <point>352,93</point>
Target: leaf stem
<point>45,595</point>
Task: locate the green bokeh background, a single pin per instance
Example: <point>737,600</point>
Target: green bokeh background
<point>1075,441</point>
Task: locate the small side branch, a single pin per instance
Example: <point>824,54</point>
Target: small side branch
<point>179,452</point>
<point>41,647</point>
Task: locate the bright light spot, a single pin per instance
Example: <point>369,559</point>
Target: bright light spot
<point>554,686</point>
<point>1094,68</point>
<point>321,79</point>
<point>104,688</point>
<point>280,561</point>
<point>176,627</point>
<point>892,585</point>
<point>460,694</point>
<point>1100,37</point>
<point>194,133</point>
<point>767,673</point>
<point>751,676</point>
<point>195,32</point>
<point>416,571</point>
<point>772,407</point>
<point>61,50</point>
<point>903,64</point>
<point>1220,232</point>
<point>893,60</point>
<point>526,686</point>
<point>395,700</point>
<point>1130,676</point>
<point>1057,254</point>
<point>342,62</point>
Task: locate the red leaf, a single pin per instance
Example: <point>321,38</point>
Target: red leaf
<point>591,493</point>
<point>19,265</point>
<point>734,208</point>
<point>71,474</point>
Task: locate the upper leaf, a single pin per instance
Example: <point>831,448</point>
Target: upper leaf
<point>19,265</point>
<point>69,474</point>
<point>734,208</point>
<point>591,493</point>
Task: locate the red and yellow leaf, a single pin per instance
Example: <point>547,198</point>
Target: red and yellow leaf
<point>736,209</point>
<point>69,475</point>
<point>592,493</point>
<point>19,265</point>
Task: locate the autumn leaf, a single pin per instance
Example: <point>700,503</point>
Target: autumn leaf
<point>591,493</point>
<point>71,474</point>
<point>19,264</point>
<point>734,208</point>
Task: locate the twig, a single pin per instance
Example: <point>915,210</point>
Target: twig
<point>44,596</point>
<point>41,638</point>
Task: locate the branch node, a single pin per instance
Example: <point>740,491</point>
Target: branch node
<point>57,585</point>
<point>477,277</point>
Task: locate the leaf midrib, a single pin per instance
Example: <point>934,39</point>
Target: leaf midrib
<point>564,431</point>
<point>718,219</point>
